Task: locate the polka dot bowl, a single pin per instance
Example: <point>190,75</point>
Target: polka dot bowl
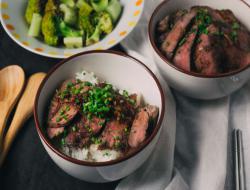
<point>13,21</point>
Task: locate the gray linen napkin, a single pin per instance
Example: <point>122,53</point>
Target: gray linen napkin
<point>203,158</point>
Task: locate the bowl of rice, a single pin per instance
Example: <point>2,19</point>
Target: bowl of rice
<point>92,163</point>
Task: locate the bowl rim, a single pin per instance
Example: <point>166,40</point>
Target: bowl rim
<point>76,50</point>
<point>164,59</point>
<point>112,162</point>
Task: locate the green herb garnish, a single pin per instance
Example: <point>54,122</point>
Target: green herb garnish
<point>204,20</point>
<point>183,40</point>
<point>106,154</point>
<point>99,101</point>
<point>62,141</point>
<point>96,140</point>
<point>235,26</point>
<point>58,119</point>
<point>74,128</point>
<point>125,93</point>
<point>234,35</point>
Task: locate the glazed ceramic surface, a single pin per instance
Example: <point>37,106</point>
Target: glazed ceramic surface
<point>191,84</point>
<point>123,72</point>
<point>12,18</point>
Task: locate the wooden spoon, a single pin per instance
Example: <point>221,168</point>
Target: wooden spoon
<point>23,112</point>
<point>12,80</point>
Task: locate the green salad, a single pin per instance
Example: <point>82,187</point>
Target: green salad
<point>72,23</point>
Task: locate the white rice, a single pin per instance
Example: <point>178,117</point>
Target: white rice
<point>102,155</point>
<point>77,153</point>
<point>87,76</point>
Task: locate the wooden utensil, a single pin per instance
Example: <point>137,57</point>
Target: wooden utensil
<point>23,112</point>
<point>12,80</point>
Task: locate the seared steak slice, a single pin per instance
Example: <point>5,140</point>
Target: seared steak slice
<point>208,54</point>
<point>164,25</point>
<point>53,132</point>
<point>234,26</point>
<point>93,125</point>
<point>66,83</point>
<point>83,131</point>
<point>140,125</point>
<point>176,34</point>
<point>245,59</point>
<point>114,135</point>
<point>139,128</point>
<point>56,101</point>
<point>64,115</point>
<point>215,15</point>
<point>73,139</point>
<point>82,128</point>
<point>182,58</point>
<point>54,106</point>
<point>236,58</point>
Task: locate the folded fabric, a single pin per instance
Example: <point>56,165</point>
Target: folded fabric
<point>157,171</point>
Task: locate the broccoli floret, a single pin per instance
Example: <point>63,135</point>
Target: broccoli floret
<point>34,6</point>
<point>70,15</point>
<point>105,22</point>
<point>66,31</point>
<point>79,3</point>
<point>99,5</point>
<point>70,3</point>
<point>51,5</point>
<point>114,9</point>
<point>84,18</point>
<point>95,37</point>
<point>49,29</point>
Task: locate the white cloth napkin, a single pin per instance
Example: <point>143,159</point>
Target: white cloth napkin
<point>157,171</point>
<point>203,157</point>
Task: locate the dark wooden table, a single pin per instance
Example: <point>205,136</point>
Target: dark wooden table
<point>28,166</point>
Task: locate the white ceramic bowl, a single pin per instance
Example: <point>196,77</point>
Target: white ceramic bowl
<point>193,84</point>
<point>12,19</point>
<point>123,72</point>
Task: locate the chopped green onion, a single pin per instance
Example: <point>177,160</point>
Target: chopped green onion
<point>63,141</point>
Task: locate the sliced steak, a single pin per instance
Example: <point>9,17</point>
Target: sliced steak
<point>176,34</point>
<point>67,83</point>
<point>64,115</point>
<point>234,26</point>
<point>236,58</point>
<point>73,139</point>
<point>215,15</point>
<point>209,55</point>
<point>53,132</point>
<point>94,125</point>
<point>114,135</point>
<point>182,58</point>
<point>54,106</point>
<point>139,129</point>
<point>245,60</point>
<point>56,100</point>
<point>164,25</point>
